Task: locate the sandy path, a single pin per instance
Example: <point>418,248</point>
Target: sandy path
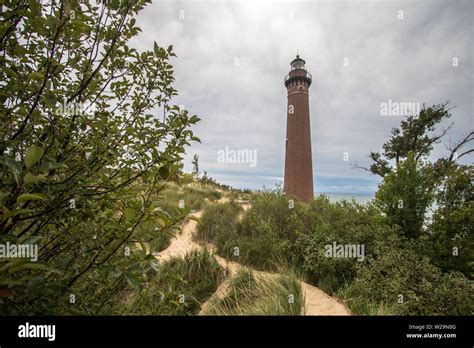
<point>317,302</point>
<point>182,242</point>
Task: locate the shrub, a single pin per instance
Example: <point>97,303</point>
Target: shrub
<point>451,235</point>
<point>264,235</point>
<point>217,220</point>
<point>194,197</point>
<point>324,223</point>
<point>271,234</point>
<point>193,279</point>
<point>261,295</point>
<point>396,271</point>
<point>405,196</point>
<point>81,150</point>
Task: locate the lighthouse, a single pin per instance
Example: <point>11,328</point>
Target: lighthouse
<point>298,161</point>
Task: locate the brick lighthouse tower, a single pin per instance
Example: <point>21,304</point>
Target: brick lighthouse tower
<point>298,162</point>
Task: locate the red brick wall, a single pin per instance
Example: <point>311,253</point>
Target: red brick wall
<point>298,161</point>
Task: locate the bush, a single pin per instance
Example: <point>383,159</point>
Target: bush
<point>80,154</point>
<point>267,295</point>
<point>272,233</point>
<point>276,232</point>
<point>405,195</point>
<point>451,236</point>
<point>396,271</point>
<point>217,220</point>
<point>152,233</point>
<point>345,223</point>
<point>264,235</point>
<point>193,279</point>
<point>193,196</point>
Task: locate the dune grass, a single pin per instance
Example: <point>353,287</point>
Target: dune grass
<point>192,196</point>
<point>218,223</point>
<point>260,295</point>
<point>179,286</point>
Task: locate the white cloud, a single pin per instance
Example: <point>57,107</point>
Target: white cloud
<point>245,105</point>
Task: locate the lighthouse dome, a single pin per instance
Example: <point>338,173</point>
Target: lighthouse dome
<point>297,63</point>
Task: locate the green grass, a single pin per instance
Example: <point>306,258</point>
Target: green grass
<point>218,222</point>
<point>194,196</point>
<point>279,295</point>
<point>254,235</point>
<point>363,305</point>
<point>270,234</point>
<point>180,286</point>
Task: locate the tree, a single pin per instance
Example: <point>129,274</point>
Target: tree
<point>412,184</point>
<point>415,135</point>
<point>195,163</point>
<point>404,196</point>
<point>81,152</point>
<point>451,238</point>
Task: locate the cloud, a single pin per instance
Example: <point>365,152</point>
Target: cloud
<point>233,55</point>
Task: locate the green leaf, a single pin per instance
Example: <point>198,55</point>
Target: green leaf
<point>35,76</point>
<point>143,246</point>
<point>6,214</point>
<point>198,220</point>
<point>63,262</point>
<point>132,280</point>
<point>33,265</point>
<point>153,262</point>
<point>14,166</point>
<point>30,178</point>
<point>3,198</point>
<point>129,214</point>
<point>194,119</point>
<point>30,196</point>
<point>34,7</point>
<point>32,240</point>
<point>164,172</point>
<point>33,155</point>
<point>19,264</point>
<point>161,222</point>
<point>11,282</point>
<point>45,167</point>
<point>11,264</point>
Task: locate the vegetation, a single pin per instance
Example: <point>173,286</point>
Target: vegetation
<point>393,265</point>
<point>279,295</point>
<point>179,287</point>
<point>400,281</point>
<point>218,223</point>
<point>82,157</point>
<point>175,198</point>
<point>404,197</point>
<point>92,177</point>
<point>195,164</point>
<point>252,238</point>
<point>411,265</point>
<point>451,231</point>
<point>413,183</point>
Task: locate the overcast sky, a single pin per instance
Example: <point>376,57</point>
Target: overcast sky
<point>232,57</point>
